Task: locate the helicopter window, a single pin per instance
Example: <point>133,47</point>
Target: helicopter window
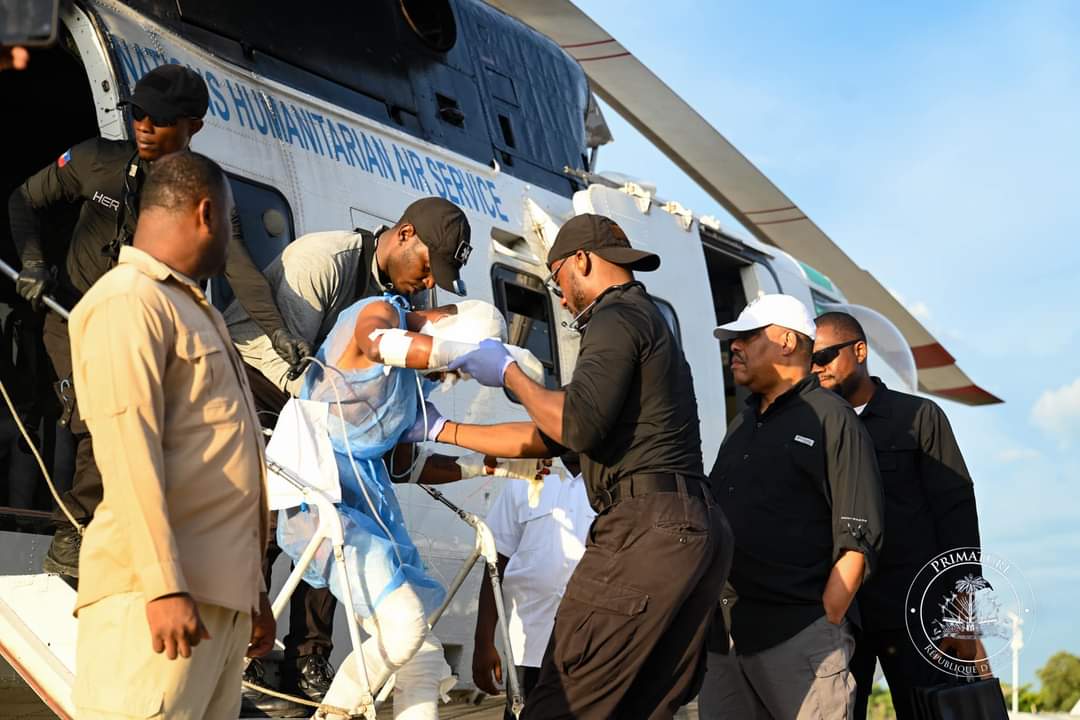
<point>527,308</point>
<point>672,320</point>
<point>507,131</point>
<point>432,21</point>
<point>267,224</point>
<point>449,110</point>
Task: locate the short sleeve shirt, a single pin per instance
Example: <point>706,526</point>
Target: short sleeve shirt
<point>544,544</point>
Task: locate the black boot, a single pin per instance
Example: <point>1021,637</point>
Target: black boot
<point>313,675</point>
<point>256,704</point>
<point>63,555</point>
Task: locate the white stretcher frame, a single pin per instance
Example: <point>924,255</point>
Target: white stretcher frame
<point>330,529</point>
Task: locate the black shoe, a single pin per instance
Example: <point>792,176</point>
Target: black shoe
<point>256,704</point>
<point>63,555</point>
<point>313,675</point>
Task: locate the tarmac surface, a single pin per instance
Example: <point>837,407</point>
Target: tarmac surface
<point>18,702</point>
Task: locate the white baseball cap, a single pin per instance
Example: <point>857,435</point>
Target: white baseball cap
<point>783,310</point>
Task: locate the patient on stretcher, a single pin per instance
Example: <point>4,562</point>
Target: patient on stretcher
<point>376,369</point>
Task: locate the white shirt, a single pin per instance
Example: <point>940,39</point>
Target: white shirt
<point>544,545</point>
<point>860,408</point>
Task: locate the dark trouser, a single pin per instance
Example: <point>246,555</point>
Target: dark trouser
<point>904,666</point>
<point>86,491</point>
<point>311,614</point>
<point>527,677</point>
<point>629,637</point>
<point>311,610</point>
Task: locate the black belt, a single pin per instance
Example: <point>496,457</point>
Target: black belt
<point>648,483</point>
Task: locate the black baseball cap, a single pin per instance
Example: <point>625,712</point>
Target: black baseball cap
<point>169,92</point>
<point>600,235</point>
<point>443,227</point>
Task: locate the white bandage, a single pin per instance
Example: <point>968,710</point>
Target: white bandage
<point>474,321</point>
<point>472,465</point>
<point>529,469</point>
<point>443,352</point>
<point>527,362</point>
<point>459,334</point>
<point>394,344</point>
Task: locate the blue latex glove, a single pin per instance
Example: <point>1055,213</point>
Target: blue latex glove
<point>420,432</point>
<point>487,364</point>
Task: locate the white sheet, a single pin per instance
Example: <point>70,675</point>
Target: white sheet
<point>300,444</point>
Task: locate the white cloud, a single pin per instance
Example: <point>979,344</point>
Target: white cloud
<point>919,310</point>
<point>1058,411</point>
<point>1017,454</point>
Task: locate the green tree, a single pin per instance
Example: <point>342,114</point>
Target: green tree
<point>1060,678</point>
<point>880,706</point>
<point>1028,700</point>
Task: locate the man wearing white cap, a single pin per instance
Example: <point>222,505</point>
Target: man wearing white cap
<point>797,477</point>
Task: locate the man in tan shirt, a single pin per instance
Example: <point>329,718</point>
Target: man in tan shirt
<point>172,558</point>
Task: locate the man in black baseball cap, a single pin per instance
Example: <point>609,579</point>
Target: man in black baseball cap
<point>601,235</point>
<point>660,548</point>
<point>596,235</point>
<point>170,96</point>
<point>443,229</point>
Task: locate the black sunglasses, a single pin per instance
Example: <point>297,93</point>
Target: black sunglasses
<point>824,356</point>
<point>550,281</point>
<point>138,114</point>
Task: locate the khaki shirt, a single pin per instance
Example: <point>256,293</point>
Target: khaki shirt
<point>176,439</point>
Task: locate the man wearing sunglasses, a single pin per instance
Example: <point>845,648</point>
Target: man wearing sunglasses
<point>102,179</point>
<point>796,475</point>
<point>629,635</point>
<point>929,500</point>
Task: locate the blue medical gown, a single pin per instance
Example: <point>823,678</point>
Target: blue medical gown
<point>377,407</point>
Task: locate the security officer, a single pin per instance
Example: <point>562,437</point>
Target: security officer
<point>929,500</point>
<point>630,631</point>
<point>797,476</point>
<point>104,177</point>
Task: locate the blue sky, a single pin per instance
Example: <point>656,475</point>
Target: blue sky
<point>938,145</point>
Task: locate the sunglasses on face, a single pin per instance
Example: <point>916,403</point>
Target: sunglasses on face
<point>552,280</point>
<point>824,356</point>
<point>138,114</point>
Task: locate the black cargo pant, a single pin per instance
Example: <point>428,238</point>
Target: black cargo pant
<point>86,491</point>
<point>905,669</point>
<point>311,610</point>
<point>629,637</point>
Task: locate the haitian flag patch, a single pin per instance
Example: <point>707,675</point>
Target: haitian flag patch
<point>64,159</point>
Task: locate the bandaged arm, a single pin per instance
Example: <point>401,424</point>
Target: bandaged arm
<point>378,338</point>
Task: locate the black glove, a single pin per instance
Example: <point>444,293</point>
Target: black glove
<point>292,350</point>
<point>33,282</point>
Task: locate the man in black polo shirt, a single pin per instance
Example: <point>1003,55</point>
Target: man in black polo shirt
<point>929,500</point>
<point>796,475</point>
<point>630,630</point>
